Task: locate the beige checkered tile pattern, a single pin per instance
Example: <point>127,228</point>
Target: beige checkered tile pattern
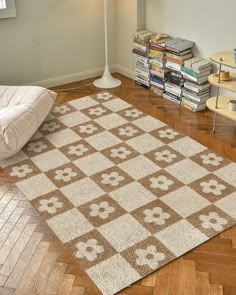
<point>122,190</point>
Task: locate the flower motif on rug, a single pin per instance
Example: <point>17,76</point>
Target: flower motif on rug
<point>21,171</point>
<point>149,257</point>
<point>127,131</point>
<point>134,113</point>
<point>156,215</point>
<point>89,250</point>
<point>101,210</point>
<point>61,109</point>
<point>66,174</point>
<point>104,96</point>
<point>50,205</point>
<point>165,156</point>
<point>212,159</point>
<point>212,186</point>
<point>112,178</point>
<point>77,150</point>
<point>89,129</point>
<point>97,111</point>
<point>120,152</point>
<point>51,126</point>
<point>36,147</point>
<point>161,182</point>
<point>168,133</point>
<point>213,220</point>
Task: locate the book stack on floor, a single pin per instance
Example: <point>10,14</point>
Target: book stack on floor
<point>196,88</point>
<point>167,66</point>
<point>178,51</point>
<point>158,70</point>
<point>141,51</point>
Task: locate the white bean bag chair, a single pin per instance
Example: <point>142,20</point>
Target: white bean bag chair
<point>22,110</point>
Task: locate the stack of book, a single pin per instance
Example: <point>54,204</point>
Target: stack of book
<point>177,52</point>
<point>167,66</point>
<point>196,88</point>
<point>141,54</point>
<point>158,69</point>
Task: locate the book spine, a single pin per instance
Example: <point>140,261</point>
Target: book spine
<point>157,84</point>
<point>141,47</point>
<point>142,84</point>
<point>186,101</point>
<point>193,104</point>
<point>189,72</point>
<point>198,64</point>
<point>157,46</point>
<point>181,53</point>
<point>157,90</point>
<point>198,71</point>
<point>141,58</point>
<point>142,74</point>
<point>144,67</point>
<point>157,52</point>
<point>176,74</point>
<point>171,97</point>
<point>188,107</point>
<point>174,90</point>
<point>190,87</point>
<point>159,70</point>
<point>195,87</point>
<point>158,74</point>
<point>180,62</point>
<point>159,60</point>
<point>139,52</point>
<point>157,63</point>
<point>173,66</point>
<point>195,98</point>
<point>156,79</point>
<point>197,94</point>
<point>200,81</point>
<point>191,61</point>
<point>182,58</point>
<point>175,81</point>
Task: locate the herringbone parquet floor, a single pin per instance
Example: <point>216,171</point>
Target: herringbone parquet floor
<point>34,262</point>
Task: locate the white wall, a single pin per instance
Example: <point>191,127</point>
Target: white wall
<point>55,42</point>
<point>49,39</point>
<point>210,24</point>
<point>130,17</point>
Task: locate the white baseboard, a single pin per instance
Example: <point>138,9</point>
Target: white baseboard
<point>82,76</point>
<point>69,78</point>
<point>124,71</point>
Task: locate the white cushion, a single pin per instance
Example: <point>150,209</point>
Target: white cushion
<point>22,110</point>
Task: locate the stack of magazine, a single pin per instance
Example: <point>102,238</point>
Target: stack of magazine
<point>158,70</point>
<point>196,88</point>
<point>141,51</point>
<point>178,51</point>
<point>166,65</point>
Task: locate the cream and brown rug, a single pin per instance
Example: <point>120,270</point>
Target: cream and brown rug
<point>122,190</point>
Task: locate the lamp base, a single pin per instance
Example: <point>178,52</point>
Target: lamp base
<point>107,81</point>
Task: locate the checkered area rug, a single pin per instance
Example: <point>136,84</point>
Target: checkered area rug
<point>122,190</point>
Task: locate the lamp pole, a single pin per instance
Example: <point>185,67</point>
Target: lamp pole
<point>106,81</point>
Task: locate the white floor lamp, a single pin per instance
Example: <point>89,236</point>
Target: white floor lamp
<point>106,81</point>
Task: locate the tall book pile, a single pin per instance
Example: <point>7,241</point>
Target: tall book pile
<point>141,54</point>
<point>167,66</point>
<point>196,88</point>
<point>178,51</point>
<point>158,70</point>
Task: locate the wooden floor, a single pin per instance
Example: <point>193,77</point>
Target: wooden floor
<point>34,262</point>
